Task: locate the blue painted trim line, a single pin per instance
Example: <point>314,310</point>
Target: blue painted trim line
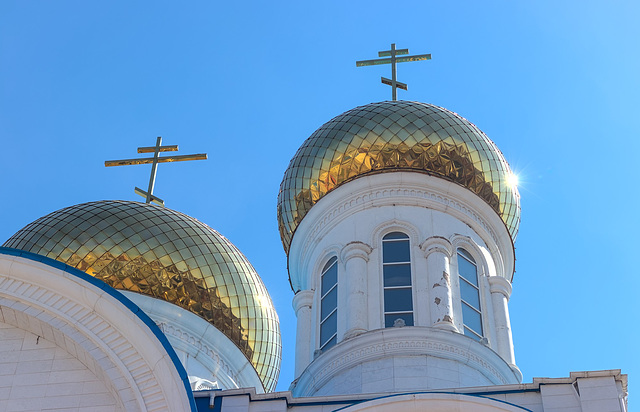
<point>122,299</point>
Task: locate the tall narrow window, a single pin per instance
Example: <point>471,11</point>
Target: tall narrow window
<point>396,273</point>
<point>329,305</point>
<point>470,295</point>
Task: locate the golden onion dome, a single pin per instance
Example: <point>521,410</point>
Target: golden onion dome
<point>170,256</point>
<point>396,136</point>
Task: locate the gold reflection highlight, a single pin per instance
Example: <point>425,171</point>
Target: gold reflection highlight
<point>396,135</point>
<point>170,256</point>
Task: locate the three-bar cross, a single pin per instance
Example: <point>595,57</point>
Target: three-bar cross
<point>148,195</point>
<point>391,54</point>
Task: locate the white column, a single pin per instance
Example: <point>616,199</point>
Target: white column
<point>438,250</point>
<point>500,291</point>
<point>355,256</point>
<point>302,302</point>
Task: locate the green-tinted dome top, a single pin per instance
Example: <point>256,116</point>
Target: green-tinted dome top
<point>170,256</point>
<point>396,136</point>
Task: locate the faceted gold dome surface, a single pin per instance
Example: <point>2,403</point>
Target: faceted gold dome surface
<point>393,136</point>
<point>170,256</point>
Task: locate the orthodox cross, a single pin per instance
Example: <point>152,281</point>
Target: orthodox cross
<point>148,195</point>
<point>391,58</point>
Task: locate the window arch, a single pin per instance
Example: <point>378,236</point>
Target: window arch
<point>396,277</point>
<point>470,295</point>
<point>329,304</point>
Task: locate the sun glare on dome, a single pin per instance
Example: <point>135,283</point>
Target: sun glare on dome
<point>512,179</point>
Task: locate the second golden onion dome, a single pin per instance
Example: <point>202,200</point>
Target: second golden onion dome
<point>170,256</point>
<point>396,136</point>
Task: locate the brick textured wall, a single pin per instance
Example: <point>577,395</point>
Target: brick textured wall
<point>37,375</point>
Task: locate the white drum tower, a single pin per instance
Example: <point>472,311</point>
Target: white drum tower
<point>398,219</point>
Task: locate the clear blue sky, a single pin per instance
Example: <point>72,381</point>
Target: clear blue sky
<point>554,84</point>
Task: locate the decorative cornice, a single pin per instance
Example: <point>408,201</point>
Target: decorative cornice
<point>390,196</point>
<point>301,299</point>
<point>197,343</point>
<point>394,225</point>
<point>498,284</point>
<point>355,250</point>
<point>397,189</point>
<point>437,244</point>
<point>195,337</point>
<point>410,341</point>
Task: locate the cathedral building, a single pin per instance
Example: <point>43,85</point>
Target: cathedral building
<point>398,220</point>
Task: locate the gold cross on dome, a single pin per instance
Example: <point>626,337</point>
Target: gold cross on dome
<point>392,59</point>
<point>148,195</point>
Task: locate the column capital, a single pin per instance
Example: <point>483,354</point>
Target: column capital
<point>498,284</point>
<point>437,244</point>
<point>355,249</point>
<point>301,299</point>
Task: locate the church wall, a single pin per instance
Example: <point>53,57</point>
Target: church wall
<point>97,325</point>
<point>209,356</point>
<point>438,217</point>
<point>594,391</point>
<point>36,374</point>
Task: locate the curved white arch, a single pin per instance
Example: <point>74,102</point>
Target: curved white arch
<point>395,225</point>
<point>82,315</point>
<point>195,338</point>
<point>437,402</point>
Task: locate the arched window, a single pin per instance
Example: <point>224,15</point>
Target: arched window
<point>470,295</point>
<point>396,274</point>
<point>329,305</point>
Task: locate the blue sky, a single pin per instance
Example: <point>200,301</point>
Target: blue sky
<point>554,84</point>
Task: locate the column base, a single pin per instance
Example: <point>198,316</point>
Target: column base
<point>352,333</point>
<point>444,325</point>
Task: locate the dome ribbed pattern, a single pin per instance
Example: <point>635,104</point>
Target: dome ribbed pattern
<point>170,256</point>
<point>396,136</point>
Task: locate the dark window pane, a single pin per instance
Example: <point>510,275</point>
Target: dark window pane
<point>467,255</point>
<point>332,342</point>
<point>469,294</point>
<point>471,319</point>
<point>329,263</point>
<point>395,251</point>
<point>329,278</point>
<point>395,235</point>
<point>471,334</point>
<point>389,320</point>
<point>397,275</point>
<point>329,303</point>
<point>467,270</point>
<point>328,328</point>
<point>398,300</point>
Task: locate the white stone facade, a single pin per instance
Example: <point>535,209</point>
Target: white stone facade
<point>438,217</point>
<point>599,391</point>
<point>206,353</point>
<point>66,344</point>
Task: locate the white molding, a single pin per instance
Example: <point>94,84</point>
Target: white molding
<point>313,281</point>
<point>355,250</point>
<point>192,335</point>
<point>98,329</point>
<point>437,244</point>
<point>398,189</point>
<point>394,225</point>
<point>409,341</point>
<point>302,299</point>
<point>441,402</point>
<point>499,284</point>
